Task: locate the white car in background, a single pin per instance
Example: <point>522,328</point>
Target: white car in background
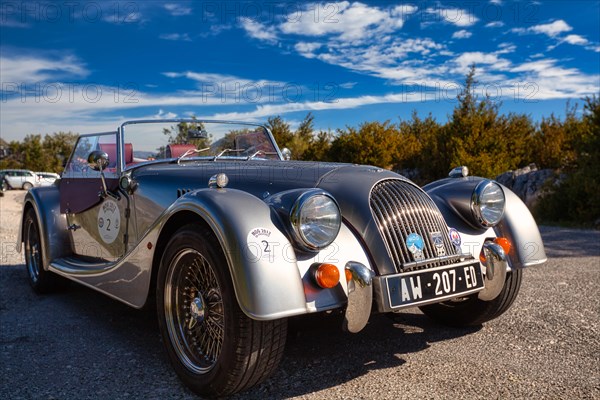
<point>19,179</point>
<point>47,178</point>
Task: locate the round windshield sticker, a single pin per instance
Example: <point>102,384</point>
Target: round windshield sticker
<point>109,221</point>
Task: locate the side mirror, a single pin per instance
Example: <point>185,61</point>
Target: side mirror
<point>98,160</point>
<point>286,153</point>
<point>197,134</point>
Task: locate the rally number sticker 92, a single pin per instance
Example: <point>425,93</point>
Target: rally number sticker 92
<point>109,221</point>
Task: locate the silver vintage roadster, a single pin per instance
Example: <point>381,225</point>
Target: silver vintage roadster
<point>212,223</point>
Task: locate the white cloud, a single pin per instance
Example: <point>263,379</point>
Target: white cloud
<point>206,78</point>
<point>176,37</point>
<point>505,48</point>
<point>307,49</point>
<point>576,40</point>
<point>465,60</point>
<point>259,31</point>
<point>27,68</point>
<point>456,16</point>
<point>547,80</point>
<point>348,22</point>
<point>462,34</point>
<point>552,29</point>
<point>262,111</point>
<point>494,24</point>
<point>161,114</point>
<point>177,10</point>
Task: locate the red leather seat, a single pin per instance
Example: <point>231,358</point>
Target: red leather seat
<point>111,150</point>
<point>177,150</point>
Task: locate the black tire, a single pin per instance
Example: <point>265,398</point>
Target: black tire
<point>41,281</point>
<point>27,186</point>
<point>5,185</point>
<point>472,311</point>
<point>213,346</point>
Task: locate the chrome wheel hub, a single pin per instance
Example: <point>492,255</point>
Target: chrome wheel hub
<point>196,312</point>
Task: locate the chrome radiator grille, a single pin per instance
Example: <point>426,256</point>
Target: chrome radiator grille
<point>400,209</point>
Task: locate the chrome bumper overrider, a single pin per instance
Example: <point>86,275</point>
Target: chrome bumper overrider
<point>360,297</point>
<point>495,271</point>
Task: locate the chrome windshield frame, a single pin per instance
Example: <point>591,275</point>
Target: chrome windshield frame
<point>121,134</point>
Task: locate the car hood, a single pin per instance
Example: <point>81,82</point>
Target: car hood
<point>253,176</point>
<point>159,185</point>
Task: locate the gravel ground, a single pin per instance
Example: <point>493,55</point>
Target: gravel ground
<point>79,344</point>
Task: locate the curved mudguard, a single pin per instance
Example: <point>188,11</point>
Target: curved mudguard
<point>271,280</point>
<point>266,283</point>
<point>453,198</point>
<point>54,235</point>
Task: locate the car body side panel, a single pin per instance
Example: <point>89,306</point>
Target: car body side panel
<point>127,280</point>
<point>53,225</point>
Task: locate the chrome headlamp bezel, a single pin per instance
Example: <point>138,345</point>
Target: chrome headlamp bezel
<point>303,237</point>
<point>487,210</point>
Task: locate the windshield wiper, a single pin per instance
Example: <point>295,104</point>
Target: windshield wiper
<point>264,153</point>
<point>190,152</point>
<point>227,151</point>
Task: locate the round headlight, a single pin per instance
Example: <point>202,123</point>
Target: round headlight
<point>487,203</point>
<point>316,220</point>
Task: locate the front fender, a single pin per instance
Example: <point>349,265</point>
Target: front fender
<point>453,198</point>
<point>56,242</point>
<point>267,284</point>
<point>519,227</point>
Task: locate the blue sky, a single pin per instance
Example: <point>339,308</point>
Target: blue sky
<point>86,66</point>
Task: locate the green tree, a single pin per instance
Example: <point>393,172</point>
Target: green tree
<point>421,148</point>
<point>556,140</point>
<point>319,147</point>
<point>32,153</point>
<point>59,146</point>
<point>281,131</point>
<point>478,137</point>
<point>576,199</point>
<point>302,138</point>
<point>374,143</point>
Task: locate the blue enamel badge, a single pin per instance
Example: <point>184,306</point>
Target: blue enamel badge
<point>415,245</point>
<point>454,237</point>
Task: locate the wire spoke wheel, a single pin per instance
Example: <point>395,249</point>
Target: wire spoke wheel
<point>194,311</point>
<point>41,281</point>
<point>213,346</point>
<point>33,257</point>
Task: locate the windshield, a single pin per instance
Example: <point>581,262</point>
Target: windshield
<point>173,139</point>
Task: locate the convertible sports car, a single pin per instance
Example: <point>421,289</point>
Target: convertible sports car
<point>213,223</point>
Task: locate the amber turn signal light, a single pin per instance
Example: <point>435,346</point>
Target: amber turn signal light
<point>327,276</point>
<point>504,243</point>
